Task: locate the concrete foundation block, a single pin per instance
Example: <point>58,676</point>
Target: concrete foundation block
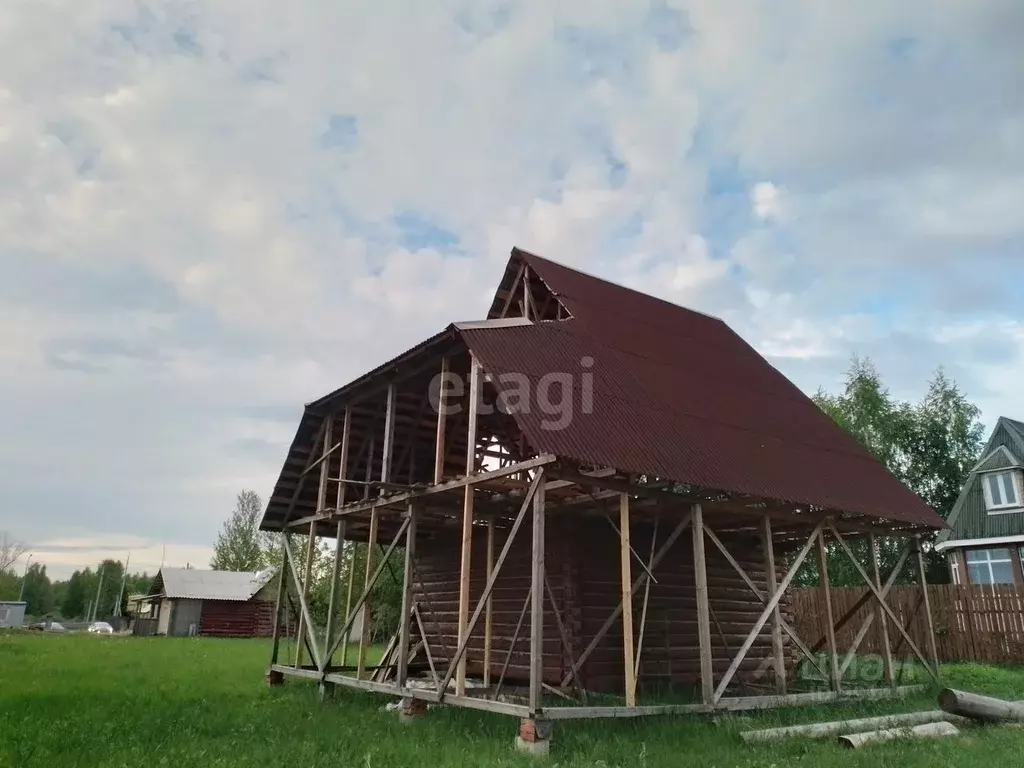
<point>274,677</point>
<point>411,710</point>
<point>534,736</point>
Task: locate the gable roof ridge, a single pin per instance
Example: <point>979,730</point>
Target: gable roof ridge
<point>530,257</point>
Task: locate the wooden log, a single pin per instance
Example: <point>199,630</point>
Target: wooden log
<point>822,730</point>
<point>627,601</point>
<point>985,709</point>
<point>939,730</point>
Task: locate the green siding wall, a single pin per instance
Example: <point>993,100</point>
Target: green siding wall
<point>996,461</point>
<point>974,521</point>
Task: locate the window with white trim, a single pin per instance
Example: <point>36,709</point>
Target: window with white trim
<point>989,566</point>
<point>1001,490</point>
<point>5,612</point>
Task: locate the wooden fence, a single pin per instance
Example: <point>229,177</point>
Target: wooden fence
<point>972,623</point>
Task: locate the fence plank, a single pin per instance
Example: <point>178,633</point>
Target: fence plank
<point>973,622</point>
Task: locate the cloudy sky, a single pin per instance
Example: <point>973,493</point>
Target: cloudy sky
<point>214,211</point>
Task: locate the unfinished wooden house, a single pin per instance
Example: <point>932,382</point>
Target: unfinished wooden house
<point>583,448</point>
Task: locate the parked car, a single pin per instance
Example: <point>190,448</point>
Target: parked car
<point>48,626</point>
<point>100,628</point>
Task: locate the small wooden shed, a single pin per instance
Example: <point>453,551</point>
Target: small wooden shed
<point>193,601</point>
<point>595,491</point>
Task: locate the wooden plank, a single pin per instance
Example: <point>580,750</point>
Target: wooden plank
<point>537,605</point>
<point>647,597</point>
<point>489,609</point>
<point>303,604</point>
<point>303,591</point>
<point>626,583</point>
<point>407,604</point>
<point>339,543</point>
<point>792,633</point>
<point>279,602</point>
<point>365,596</point>
<point>442,423</point>
<point>418,493</point>
<point>364,628</point>
<point>880,615</point>
<point>763,618</point>
<point>536,487</point>
<point>830,625</point>
<point>389,437</point>
<point>467,520</point>
<point>700,575</point>
<point>881,600</point>
<point>778,653</point>
<point>640,581</point>
<point>929,623</point>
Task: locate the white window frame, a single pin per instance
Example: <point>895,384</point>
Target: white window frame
<point>988,562</point>
<point>1004,507</point>
<point>5,613</point>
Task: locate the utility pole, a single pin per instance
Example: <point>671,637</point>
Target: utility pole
<point>124,578</point>
<point>96,602</point>
<point>24,578</point>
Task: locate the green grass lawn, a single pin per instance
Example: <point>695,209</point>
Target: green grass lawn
<point>77,700</point>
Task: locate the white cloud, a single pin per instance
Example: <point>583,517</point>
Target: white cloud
<point>213,211</point>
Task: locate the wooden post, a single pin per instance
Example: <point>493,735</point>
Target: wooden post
<point>467,521</point>
<point>407,604</point>
<point>830,625</point>
<point>489,610</point>
<point>625,566</point>
<point>778,653</point>
<point>321,503</point>
<point>537,606</point>
<point>442,423</point>
<point>700,575</point>
<point>339,543</point>
<point>932,648</point>
<point>307,577</point>
<point>364,629</point>
<point>348,604</point>
<point>389,437</point>
<point>281,586</point>
<point>883,623</point>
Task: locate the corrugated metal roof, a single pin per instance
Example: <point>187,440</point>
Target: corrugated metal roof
<point>680,395</point>
<point>196,584</point>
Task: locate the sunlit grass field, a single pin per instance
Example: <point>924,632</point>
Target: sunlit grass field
<point>78,700</point>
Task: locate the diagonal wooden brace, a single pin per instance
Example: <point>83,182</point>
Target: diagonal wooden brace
<point>506,548</point>
<point>866,625</point>
<point>786,626</point>
<point>640,581</point>
<point>303,605</point>
<point>769,609</point>
<point>368,589</point>
<point>881,601</point>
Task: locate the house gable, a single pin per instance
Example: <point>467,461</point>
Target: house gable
<point>970,517</point>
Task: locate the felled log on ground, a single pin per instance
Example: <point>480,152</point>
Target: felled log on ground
<point>823,730</point>
<point>939,730</point>
<point>985,709</point>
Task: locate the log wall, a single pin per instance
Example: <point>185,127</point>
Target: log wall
<point>582,560</point>
<point>225,618</point>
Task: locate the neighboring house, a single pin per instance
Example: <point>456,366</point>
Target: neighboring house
<point>985,540</point>
<point>12,614</point>
<point>139,606</point>
<point>190,601</point>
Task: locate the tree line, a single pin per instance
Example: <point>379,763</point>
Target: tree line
<point>72,598</point>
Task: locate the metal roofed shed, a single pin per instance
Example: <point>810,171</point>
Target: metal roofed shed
<point>193,601</point>
<point>584,448</point>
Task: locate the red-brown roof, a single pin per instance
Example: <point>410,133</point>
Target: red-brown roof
<point>679,395</point>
